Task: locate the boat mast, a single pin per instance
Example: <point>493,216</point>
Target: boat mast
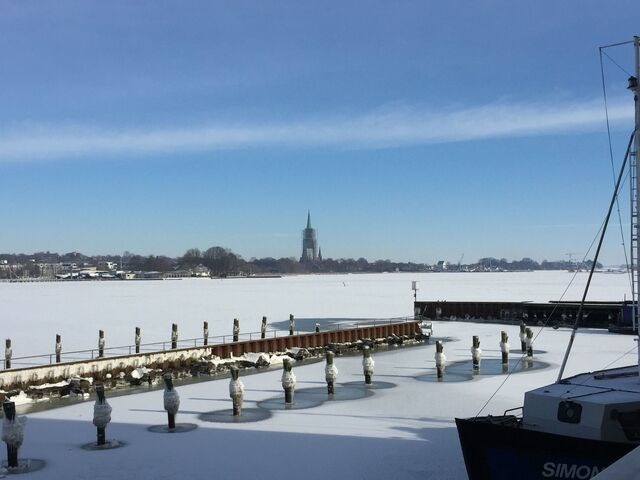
<point>633,86</point>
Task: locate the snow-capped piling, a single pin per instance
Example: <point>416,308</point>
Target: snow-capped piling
<point>292,324</point>
<point>7,353</point>
<point>476,353</point>
<point>529,342</point>
<point>288,380</point>
<point>441,359</point>
<point>236,329</point>
<point>101,414</point>
<point>504,347</point>
<point>263,327</point>
<point>205,333</point>
<point>523,336</point>
<point>174,336</point>
<point>317,328</point>
<point>330,372</point>
<point>367,364</point>
<point>12,432</point>
<point>136,339</point>
<point>171,400</point>
<point>100,343</point>
<point>58,349</point>
<point>236,391</point>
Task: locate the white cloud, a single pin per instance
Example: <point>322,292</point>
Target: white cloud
<point>382,128</point>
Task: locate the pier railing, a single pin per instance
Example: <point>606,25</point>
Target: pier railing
<point>188,343</point>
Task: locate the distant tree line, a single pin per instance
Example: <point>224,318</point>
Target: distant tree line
<point>222,261</point>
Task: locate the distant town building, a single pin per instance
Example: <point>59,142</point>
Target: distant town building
<point>309,243</point>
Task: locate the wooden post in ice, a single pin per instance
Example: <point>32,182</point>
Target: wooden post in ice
<point>263,327</point>
<point>330,372</point>
<point>367,364</point>
<point>174,336</point>
<point>523,336</point>
<point>101,414</point>
<point>136,339</point>
<point>288,381</point>
<point>236,329</point>
<point>236,391</point>
<point>529,343</point>
<point>504,347</point>
<point>171,400</point>
<point>7,353</point>
<point>205,333</point>
<point>441,359</point>
<point>317,328</point>
<point>12,432</point>
<point>58,347</point>
<point>292,324</point>
<point>476,353</point>
<point>100,343</point>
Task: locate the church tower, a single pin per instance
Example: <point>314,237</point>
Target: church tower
<point>309,243</point>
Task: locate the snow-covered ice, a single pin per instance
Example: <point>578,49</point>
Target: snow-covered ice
<point>404,431</point>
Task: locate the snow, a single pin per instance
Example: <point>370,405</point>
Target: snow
<point>405,431</point>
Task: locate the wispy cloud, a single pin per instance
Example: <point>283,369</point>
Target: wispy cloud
<point>381,128</point>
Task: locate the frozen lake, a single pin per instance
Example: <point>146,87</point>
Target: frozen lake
<point>33,313</point>
<point>403,429</point>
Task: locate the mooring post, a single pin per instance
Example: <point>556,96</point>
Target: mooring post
<point>171,400</point>
<point>7,353</point>
<point>101,414</point>
<point>236,391</point>
<point>12,432</point>
<point>236,329</point>
<point>292,324</point>
<point>58,347</point>
<point>523,337</point>
<point>317,328</point>
<point>504,347</point>
<point>100,343</point>
<point>288,381</point>
<point>137,339</point>
<point>205,333</point>
<point>330,372</point>
<point>174,336</point>
<point>263,328</point>
<point>367,364</point>
<point>441,359</point>
<point>529,343</point>
<point>476,353</point>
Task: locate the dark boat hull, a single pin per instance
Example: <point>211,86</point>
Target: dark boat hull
<point>499,451</point>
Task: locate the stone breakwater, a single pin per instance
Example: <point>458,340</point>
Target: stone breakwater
<point>31,384</point>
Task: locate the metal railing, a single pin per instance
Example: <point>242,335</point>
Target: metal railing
<point>157,347</point>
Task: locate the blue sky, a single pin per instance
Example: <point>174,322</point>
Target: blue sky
<point>411,130</point>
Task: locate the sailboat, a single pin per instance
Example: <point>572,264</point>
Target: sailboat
<point>577,426</point>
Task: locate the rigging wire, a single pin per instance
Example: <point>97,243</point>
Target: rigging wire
<point>613,172</point>
<point>613,61</point>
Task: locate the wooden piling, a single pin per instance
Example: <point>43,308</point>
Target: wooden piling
<point>101,343</point>
<point>7,353</point>
<point>137,338</point>
<point>174,336</point>
<point>9,409</point>
<point>205,333</point>
<point>236,329</point>
<point>475,352</point>
<point>58,348</point>
<point>504,347</point>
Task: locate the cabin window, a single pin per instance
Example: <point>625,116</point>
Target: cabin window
<point>569,412</point>
<point>630,423</point>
